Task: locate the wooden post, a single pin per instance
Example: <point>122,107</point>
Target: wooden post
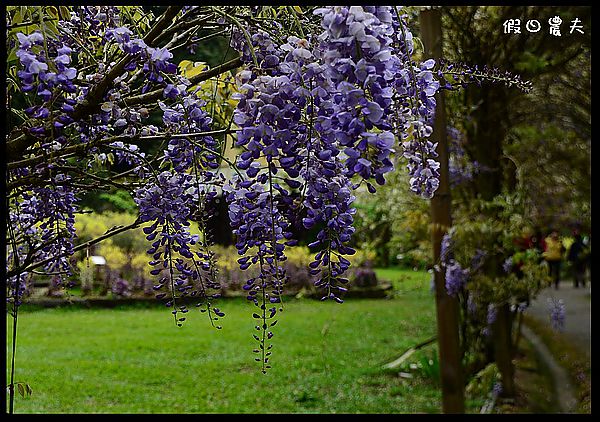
<point>447,309</point>
<point>503,350</point>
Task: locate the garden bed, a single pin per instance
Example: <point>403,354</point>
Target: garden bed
<point>380,291</point>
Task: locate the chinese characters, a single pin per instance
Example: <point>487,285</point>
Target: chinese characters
<point>513,26</point>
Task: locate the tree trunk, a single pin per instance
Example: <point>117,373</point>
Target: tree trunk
<point>447,310</point>
<point>503,350</point>
<point>486,136</point>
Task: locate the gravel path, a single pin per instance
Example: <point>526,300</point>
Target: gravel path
<point>578,307</point>
<point>577,327</point>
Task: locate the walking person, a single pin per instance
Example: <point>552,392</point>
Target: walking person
<point>576,258</point>
<point>553,256</point>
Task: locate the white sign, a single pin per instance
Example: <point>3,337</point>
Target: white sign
<point>98,260</point>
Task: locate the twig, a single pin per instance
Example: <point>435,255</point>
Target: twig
<point>200,77</point>
<point>409,352</point>
<point>85,245</point>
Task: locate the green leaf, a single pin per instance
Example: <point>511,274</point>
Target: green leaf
<point>12,56</point>
<point>21,390</point>
<point>50,29</point>
<point>17,18</point>
<point>23,11</point>
<point>52,11</point>
<point>64,12</point>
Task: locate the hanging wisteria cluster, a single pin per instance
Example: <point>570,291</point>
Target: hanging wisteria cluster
<point>325,112</point>
<point>168,196</point>
<point>319,117</point>
<point>42,221</point>
<point>455,275</point>
<point>461,169</point>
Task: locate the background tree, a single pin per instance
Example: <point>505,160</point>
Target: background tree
<point>516,151</point>
<point>497,119</point>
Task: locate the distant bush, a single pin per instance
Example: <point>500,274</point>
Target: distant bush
<point>296,269</point>
<point>127,271</point>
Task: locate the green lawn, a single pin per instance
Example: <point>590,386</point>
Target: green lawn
<point>326,357</point>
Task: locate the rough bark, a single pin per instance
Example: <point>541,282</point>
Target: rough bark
<point>447,309</point>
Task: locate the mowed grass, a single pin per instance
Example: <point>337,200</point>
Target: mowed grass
<point>326,357</point>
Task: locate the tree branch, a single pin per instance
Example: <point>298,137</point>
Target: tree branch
<point>114,231</point>
<point>201,77</point>
<point>91,102</point>
<point>83,148</point>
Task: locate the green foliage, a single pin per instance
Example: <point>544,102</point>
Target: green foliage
<point>498,229</point>
<point>92,225</point>
<point>394,223</point>
<point>554,173</point>
<point>539,142</point>
<point>138,15</point>
<point>509,273</point>
<point>482,383</point>
<point>531,63</point>
<point>125,252</point>
<point>120,201</point>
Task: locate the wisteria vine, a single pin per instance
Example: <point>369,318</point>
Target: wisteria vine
<point>318,116</point>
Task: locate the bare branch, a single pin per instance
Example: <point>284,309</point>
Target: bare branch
<point>91,102</point>
<point>203,76</point>
<point>110,233</point>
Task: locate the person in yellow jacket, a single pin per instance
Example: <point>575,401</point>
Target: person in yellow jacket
<point>553,256</point>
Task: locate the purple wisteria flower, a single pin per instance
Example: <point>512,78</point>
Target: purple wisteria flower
<point>456,278</point>
<point>492,314</point>
<point>508,265</point>
<point>556,308</point>
<point>169,202</point>
<point>47,218</point>
<point>446,247</point>
<point>497,390</point>
<point>324,111</point>
<point>52,81</point>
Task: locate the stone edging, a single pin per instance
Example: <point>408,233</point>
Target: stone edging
<point>563,388</point>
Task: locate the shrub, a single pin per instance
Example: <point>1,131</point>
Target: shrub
<point>364,277</point>
<point>120,287</point>
<point>127,271</point>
